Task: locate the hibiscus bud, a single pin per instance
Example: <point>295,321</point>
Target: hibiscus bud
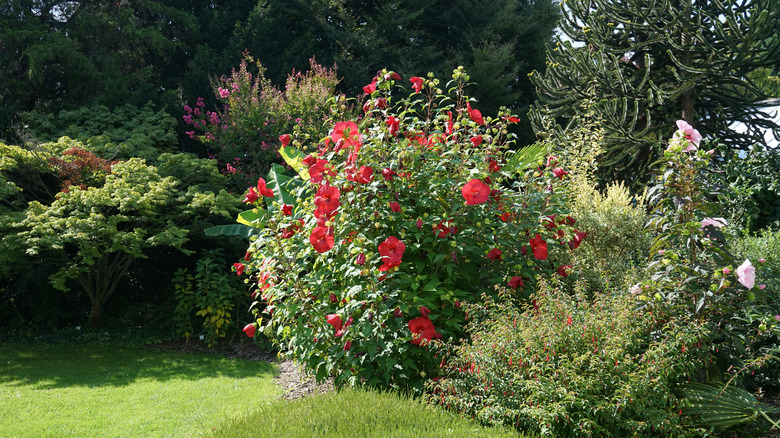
<point>333,298</point>
<point>424,311</point>
<point>419,224</point>
<point>454,256</point>
<point>285,139</point>
<point>457,304</point>
<point>397,312</point>
<point>247,256</point>
<point>250,329</point>
<point>726,271</point>
<point>360,259</point>
<point>309,161</point>
<point>559,173</point>
<point>552,160</point>
<point>388,174</point>
<point>348,345</point>
<point>761,286</point>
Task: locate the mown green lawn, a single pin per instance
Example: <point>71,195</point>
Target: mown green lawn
<point>90,391</point>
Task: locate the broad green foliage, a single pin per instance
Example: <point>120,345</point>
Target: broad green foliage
<point>573,366</point>
<point>212,295</point>
<point>96,233</point>
<point>404,216</point>
<point>646,65</point>
<point>124,132</point>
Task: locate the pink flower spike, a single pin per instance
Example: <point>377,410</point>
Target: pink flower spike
<point>761,286</point>
<point>746,274</point>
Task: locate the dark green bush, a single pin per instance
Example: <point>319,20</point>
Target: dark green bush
<point>570,366</point>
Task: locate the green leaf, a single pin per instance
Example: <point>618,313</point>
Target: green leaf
<point>253,218</point>
<point>282,185</point>
<point>294,158</point>
<point>231,230</point>
<point>527,157</point>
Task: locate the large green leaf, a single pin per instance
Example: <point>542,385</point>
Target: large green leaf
<point>714,405</point>
<point>294,158</point>
<point>527,157</point>
<point>231,230</point>
<point>253,218</point>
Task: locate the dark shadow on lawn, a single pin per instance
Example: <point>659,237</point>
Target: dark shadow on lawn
<point>55,366</point>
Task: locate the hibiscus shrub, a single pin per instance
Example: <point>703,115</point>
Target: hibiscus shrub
<point>368,253</point>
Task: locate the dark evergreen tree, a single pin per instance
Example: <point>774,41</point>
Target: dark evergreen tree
<point>647,63</point>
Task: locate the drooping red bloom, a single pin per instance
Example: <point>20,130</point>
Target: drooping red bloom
<point>252,196</point>
<point>494,167</point>
<point>392,251</point>
<point>444,228</point>
<point>550,225</point>
<point>516,281</point>
<point>261,188</point>
<point>564,270</point>
<point>552,160</point>
<point>370,88</point>
<point>511,119</point>
<point>285,139</point>
<point>476,141</point>
<point>250,329</point>
<point>539,247</point>
<point>364,175</point>
<point>394,125</point>
<point>309,161</point>
<point>495,254</point>
<point>321,240</point>
<point>475,192</point>
<point>422,330</point>
<point>398,313</point>
<point>418,223</point>
<point>327,199</point>
<point>395,207</point>
<point>287,209</point>
<point>239,268</point>
<point>417,83</point>
<point>347,345</point>
<point>579,236</point>
<point>247,256</point>
<point>424,311</point>
<point>559,173</point>
<point>475,115</point>
<point>388,174</point>
<point>335,320</point>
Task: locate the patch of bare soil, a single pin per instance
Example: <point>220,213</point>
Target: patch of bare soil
<point>291,379</point>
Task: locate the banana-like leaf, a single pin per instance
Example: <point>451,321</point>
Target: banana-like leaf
<point>527,157</point>
<point>294,158</point>
<point>253,218</point>
<point>242,230</point>
<point>282,186</point>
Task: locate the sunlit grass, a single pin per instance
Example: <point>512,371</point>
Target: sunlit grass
<point>359,413</point>
<point>89,391</point>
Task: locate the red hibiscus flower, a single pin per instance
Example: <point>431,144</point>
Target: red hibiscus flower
<point>239,268</point>
<point>475,192</point>
<point>364,175</point>
<point>552,160</point>
<point>394,125</point>
<point>321,240</point>
<point>268,193</point>
<point>346,131</point>
<point>292,229</point>
<point>444,228</point>
<point>252,196</point>
<point>319,170</point>
<point>287,209</point>
<point>476,141</point>
<point>335,320</point>
<point>516,281</point>
<point>579,236</point>
<point>250,329</point>
<point>285,139</point>
<point>559,172</point>
<point>494,167</point>
<point>391,250</point>
<point>360,259</point>
<point>495,254</point>
<point>550,225</point>
<point>370,88</point>
<point>424,311</point>
<point>247,256</point>
<point>418,223</point>
<point>475,115</point>
<point>422,330</point>
<point>564,270</point>
<point>347,345</point>
<point>327,199</point>
<point>511,119</point>
<point>309,161</point>
<point>417,83</point>
<point>539,247</point>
